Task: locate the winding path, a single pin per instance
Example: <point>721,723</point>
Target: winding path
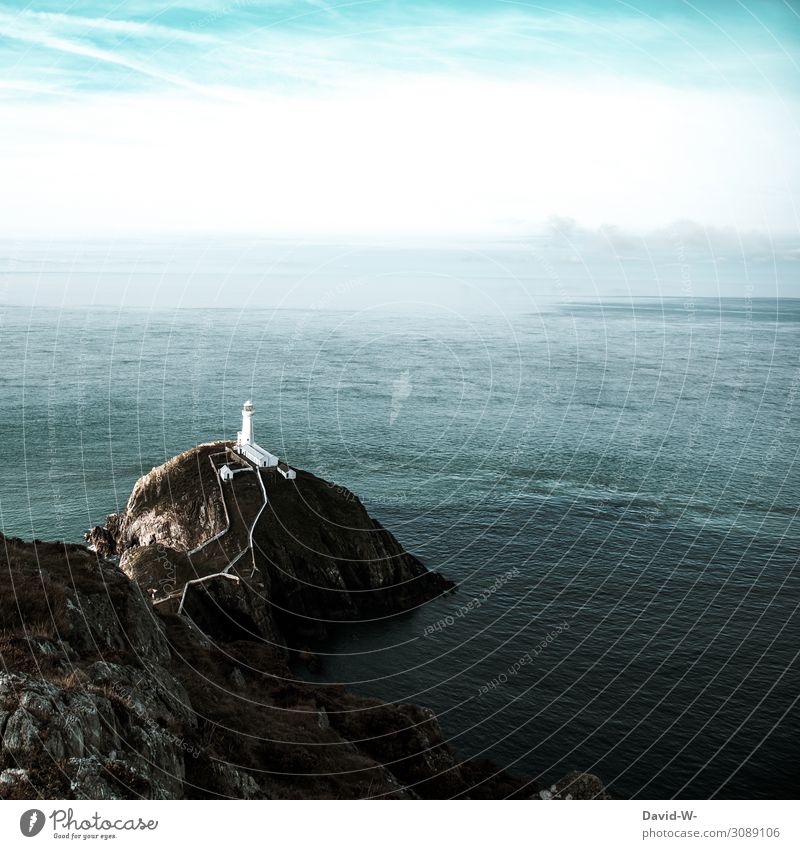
<point>234,521</point>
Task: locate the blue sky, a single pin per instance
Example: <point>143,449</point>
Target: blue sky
<point>199,46</point>
<point>389,118</point>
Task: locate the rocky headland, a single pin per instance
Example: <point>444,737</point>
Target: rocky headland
<point>298,554</point>
<point>155,663</point>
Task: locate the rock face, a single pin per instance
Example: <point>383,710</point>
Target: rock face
<point>166,676</point>
<point>227,609</point>
<point>327,560</point>
<point>576,785</point>
<point>317,555</point>
<point>105,737</point>
<point>177,504</point>
<point>104,697</point>
<point>87,701</point>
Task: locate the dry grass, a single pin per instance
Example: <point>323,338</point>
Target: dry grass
<point>34,606</point>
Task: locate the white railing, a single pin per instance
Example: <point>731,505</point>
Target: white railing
<point>200,581</point>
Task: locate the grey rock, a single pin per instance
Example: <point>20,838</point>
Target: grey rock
<point>13,775</point>
<point>237,783</point>
<point>21,734</point>
<point>579,785</point>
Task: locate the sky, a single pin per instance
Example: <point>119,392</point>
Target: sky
<point>396,120</point>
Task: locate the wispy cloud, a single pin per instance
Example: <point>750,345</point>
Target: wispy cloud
<point>200,44</point>
<point>43,30</point>
<point>88,26</point>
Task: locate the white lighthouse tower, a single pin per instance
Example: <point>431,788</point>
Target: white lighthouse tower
<point>246,444</point>
<point>245,435</point>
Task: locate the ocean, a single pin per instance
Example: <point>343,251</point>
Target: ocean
<point>613,484</point>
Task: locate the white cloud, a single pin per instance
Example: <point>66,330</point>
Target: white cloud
<point>82,25</point>
<point>20,28</point>
<point>423,157</point>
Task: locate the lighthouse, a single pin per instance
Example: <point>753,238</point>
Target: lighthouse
<point>245,435</point>
<point>246,444</point>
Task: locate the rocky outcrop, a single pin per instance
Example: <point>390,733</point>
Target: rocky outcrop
<point>103,697</point>
<point>177,504</point>
<point>576,785</point>
<point>103,538</point>
<point>102,735</point>
<point>87,701</point>
<point>165,676</point>
<point>317,554</point>
<point>329,561</point>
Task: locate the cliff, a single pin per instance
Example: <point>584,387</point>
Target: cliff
<point>166,675</point>
<point>102,696</point>
<point>316,556</point>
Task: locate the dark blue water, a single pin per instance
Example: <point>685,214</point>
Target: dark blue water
<point>613,485</point>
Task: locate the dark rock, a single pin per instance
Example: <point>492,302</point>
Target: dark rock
<point>101,539</point>
<point>227,609</point>
<point>318,555</point>
<point>177,504</point>
<point>79,730</point>
<point>310,660</point>
<point>121,702</point>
